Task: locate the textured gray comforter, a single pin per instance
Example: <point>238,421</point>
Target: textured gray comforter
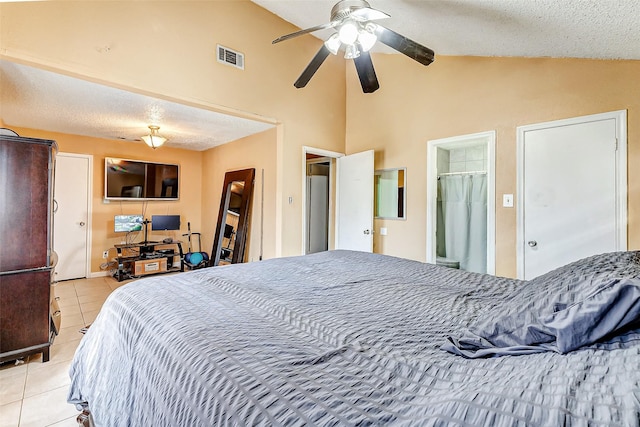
<point>343,338</point>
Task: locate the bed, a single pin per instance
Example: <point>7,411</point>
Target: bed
<point>349,338</point>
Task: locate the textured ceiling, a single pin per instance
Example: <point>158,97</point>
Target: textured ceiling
<point>70,105</point>
<point>606,29</point>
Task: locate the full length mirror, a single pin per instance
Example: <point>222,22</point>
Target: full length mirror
<point>233,218</point>
<point>389,193</point>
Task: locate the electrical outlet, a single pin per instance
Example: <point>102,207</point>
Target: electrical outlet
<point>105,254</point>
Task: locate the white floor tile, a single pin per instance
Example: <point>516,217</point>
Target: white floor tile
<point>10,414</point>
<point>11,369</point>
<point>34,394</point>
<point>12,389</point>
<point>69,422</point>
<point>91,306</point>
<point>47,378</point>
<point>101,289</point>
<point>46,408</point>
<point>90,316</point>
<point>70,320</point>
<point>67,334</point>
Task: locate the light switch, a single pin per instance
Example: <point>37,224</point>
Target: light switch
<point>383,231</point>
<point>507,200</point>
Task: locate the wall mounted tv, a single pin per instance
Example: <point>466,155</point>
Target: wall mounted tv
<point>139,180</point>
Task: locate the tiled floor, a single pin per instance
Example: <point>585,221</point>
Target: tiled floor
<point>34,394</point>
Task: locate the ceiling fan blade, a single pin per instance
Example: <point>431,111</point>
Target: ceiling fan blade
<point>368,14</point>
<point>308,30</point>
<point>366,72</point>
<point>313,66</point>
<point>413,50</point>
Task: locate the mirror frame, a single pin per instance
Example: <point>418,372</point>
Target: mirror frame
<point>404,195</point>
<point>247,176</point>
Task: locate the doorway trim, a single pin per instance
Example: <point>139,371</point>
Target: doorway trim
<point>89,158</point>
<point>432,190</point>
<point>620,118</point>
<point>332,155</point>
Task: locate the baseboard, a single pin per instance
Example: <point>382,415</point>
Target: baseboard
<point>95,274</point>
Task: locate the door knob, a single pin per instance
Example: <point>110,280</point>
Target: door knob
<point>367,231</point>
<point>81,223</point>
<point>532,243</point>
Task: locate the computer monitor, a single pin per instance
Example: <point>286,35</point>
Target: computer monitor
<point>128,223</point>
<point>165,222</point>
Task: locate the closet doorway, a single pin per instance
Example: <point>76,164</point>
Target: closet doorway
<point>72,215</point>
<point>461,202</point>
<point>572,187</point>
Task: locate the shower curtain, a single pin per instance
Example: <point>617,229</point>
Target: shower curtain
<point>463,209</point>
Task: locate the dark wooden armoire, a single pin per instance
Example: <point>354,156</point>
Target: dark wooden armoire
<point>26,255</point>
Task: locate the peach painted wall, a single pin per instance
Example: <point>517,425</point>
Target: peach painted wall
<point>114,43</point>
<point>258,152</point>
<point>453,96</point>
<point>464,95</point>
<point>102,235</point>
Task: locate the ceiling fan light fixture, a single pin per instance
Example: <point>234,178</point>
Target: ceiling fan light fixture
<point>348,33</point>
<point>367,38</point>
<point>366,13</point>
<point>154,139</point>
<point>333,43</point>
<point>351,52</point>
<point>357,34</point>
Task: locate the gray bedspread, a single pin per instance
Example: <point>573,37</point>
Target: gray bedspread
<point>342,338</point>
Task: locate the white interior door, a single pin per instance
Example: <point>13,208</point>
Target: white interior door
<point>572,204</point>
<point>71,217</point>
<point>354,209</point>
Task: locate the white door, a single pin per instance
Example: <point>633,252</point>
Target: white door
<point>354,209</point>
<point>573,192</point>
<point>71,217</point>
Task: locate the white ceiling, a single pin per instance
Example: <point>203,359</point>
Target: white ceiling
<point>606,29</point>
<point>74,106</point>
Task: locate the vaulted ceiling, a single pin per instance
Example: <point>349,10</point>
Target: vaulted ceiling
<point>602,29</point>
<point>607,29</point>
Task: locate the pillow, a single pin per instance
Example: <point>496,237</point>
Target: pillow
<point>612,304</point>
<point>573,282</point>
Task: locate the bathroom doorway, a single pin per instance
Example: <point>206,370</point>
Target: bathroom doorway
<point>461,202</point>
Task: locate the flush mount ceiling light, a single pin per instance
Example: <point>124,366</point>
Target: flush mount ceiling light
<point>154,139</point>
<point>357,34</point>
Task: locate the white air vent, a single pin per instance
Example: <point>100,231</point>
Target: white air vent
<point>230,57</point>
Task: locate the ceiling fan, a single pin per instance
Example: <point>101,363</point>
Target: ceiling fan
<point>357,33</point>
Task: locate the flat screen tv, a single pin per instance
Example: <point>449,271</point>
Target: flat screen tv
<point>139,180</point>
<point>165,222</point>
<point>127,223</point>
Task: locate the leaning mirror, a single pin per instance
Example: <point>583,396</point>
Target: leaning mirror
<point>389,193</point>
<point>233,218</point>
